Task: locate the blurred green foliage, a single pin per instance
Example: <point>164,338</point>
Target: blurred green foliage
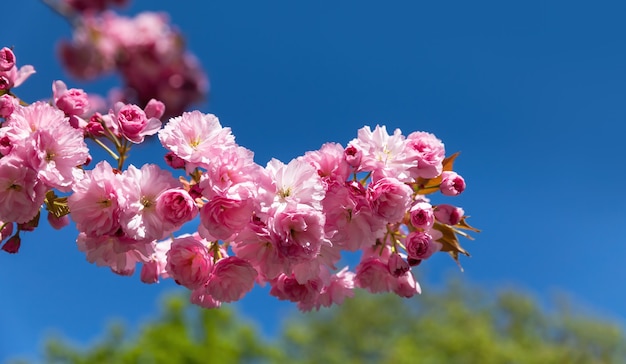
<point>458,325</point>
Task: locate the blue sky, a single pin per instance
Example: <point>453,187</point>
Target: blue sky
<point>532,93</point>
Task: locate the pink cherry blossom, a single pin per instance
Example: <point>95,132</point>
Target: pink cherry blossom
<point>140,218</point>
<point>133,123</point>
<point>382,153</point>
<point>389,199</point>
<point>224,217</point>
<point>329,162</point>
<point>296,182</point>
<point>98,201</point>
<point>196,138</point>
<point>299,231</point>
<point>406,286</point>
<point>373,275</point>
<point>425,153</point>
<point>341,286</point>
<point>21,193</point>
<point>116,252</point>
<point>72,101</point>
<point>189,262</point>
<point>175,207</point>
<point>231,279</point>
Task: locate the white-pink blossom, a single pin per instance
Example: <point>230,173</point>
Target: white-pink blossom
<point>196,138</point>
<point>140,218</point>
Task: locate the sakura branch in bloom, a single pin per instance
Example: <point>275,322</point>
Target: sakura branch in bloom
<point>283,224</point>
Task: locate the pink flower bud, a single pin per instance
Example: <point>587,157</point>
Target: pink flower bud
<point>448,214</point>
<point>451,183</point>
<point>420,245</point>
<point>12,245</point>
<point>7,59</point>
<point>189,262</point>
<point>58,222</point>
<point>353,156</point>
<point>150,272</point>
<point>422,215</point>
<point>231,279</point>
<point>8,104</point>
<point>154,109</point>
<point>174,161</point>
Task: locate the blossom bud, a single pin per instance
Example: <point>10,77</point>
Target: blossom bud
<point>7,59</point>
<point>420,245</point>
<point>448,214</point>
<point>353,156</point>
<point>422,215</point>
<point>174,161</point>
<point>58,222</point>
<point>8,104</point>
<point>154,109</point>
<point>12,245</point>
<point>451,183</point>
<point>150,272</point>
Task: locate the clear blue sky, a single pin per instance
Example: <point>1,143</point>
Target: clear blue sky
<point>532,93</point>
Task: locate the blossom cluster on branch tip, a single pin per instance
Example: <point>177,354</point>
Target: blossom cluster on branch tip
<point>285,225</point>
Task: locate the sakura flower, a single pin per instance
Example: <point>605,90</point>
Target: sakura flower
<point>97,201</point>
<point>296,182</point>
<point>389,198</point>
<point>420,245</point>
<point>381,153</point>
<point>175,207</point>
<point>189,262</point>
<point>140,218</point>
<point>202,298</point>
<point>7,59</point>
<point>299,231</point>
<point>341,286</point>
<point>21,193</point>
<point>133,122</point>
<point>231,279</point>
<point>196,138</point>
<point>72,101</point>
<point>425,153</point>
<point>8,104</point>
<point>373,275</point>
<point>116,252</point>
<point>329,162</point>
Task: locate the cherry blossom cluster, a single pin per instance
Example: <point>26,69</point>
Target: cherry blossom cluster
<point>146,50</point>
<point>286,225</point>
